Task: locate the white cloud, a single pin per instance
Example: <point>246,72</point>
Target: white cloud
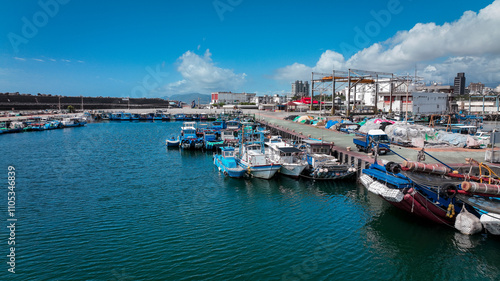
<point>328,61</point>
<point>485,69</point>
<point>474,34</point>
<point>21,59</point>
<point>471,44</point>
<point>40,60</point>
<point>200,74</point>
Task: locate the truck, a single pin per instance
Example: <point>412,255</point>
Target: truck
<point>370,140</point>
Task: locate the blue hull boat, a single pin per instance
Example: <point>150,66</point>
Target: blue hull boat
<point>227,163</point>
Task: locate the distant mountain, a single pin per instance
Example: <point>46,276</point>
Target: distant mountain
<point>188,98</point>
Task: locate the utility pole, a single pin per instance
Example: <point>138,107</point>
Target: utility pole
<point>348,111</point>
<point>376,95</point>
<point>333,93</point>
<point>390,93</point>
<point>312,90</point>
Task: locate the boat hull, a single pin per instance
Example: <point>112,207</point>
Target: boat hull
<point>261,171</point>
<point>172,143</point>
<point>292,170</point>
<point>236,172</point>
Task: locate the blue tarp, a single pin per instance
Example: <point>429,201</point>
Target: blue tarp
<point>331,123</point>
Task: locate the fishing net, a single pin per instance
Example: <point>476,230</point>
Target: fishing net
<point>467,223</point>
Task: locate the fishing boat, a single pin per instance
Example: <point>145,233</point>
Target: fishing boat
<point>52,125</point>
<point>179,117</point>
<point>158,116</point>
<point>321,165</point>
<point>135,117</point>
<point>188,138</point>
<point>118,116</point>
<point>481,192</point>
<point>11,127</point>
<point>233,125</point>
<point>229,137</point>
<point>150,116</point>
<point>227,163</point>
<point>210,140</point>
<point>173,142</point>
<point>428,191</point>
<point>218,125</point>
<point>292,159</point>
<point>73,122</point>
<point>253,157</point>
<point>126,117</point>
<point>417,195</point>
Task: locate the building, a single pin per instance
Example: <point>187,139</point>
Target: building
<point>266,99</point>
<point>232,98</point>
<point>476,88</point>
<point>300,89</point>
<point>436,88</point>
<point>417,103</point>
<point>459,84</point>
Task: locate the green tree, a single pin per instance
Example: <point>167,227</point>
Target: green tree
<point>71,109</point>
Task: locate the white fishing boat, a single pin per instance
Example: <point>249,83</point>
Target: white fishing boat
<point>292,159</point>
<point>253,157</point>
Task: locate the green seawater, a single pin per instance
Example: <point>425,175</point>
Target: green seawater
<point>110,202</point>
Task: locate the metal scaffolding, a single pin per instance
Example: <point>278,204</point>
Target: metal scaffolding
<point>331,83</point>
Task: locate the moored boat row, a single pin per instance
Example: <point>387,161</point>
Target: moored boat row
<point>438,193</point>
<point>247,150</point>
<point>39,124</point>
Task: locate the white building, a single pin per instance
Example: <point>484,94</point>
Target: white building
<point>364,94</point>
<point>232,98</point>
<point>417,103</point>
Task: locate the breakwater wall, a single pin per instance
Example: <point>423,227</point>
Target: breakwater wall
<point>42,102</point>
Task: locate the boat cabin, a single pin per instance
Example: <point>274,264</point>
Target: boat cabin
<point>233,125</point>
<point>227,152</point>
<point>228,136</point>
<point>464,130</point>
<point>317,146</point>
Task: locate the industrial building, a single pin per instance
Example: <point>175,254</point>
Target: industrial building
<point>232,98</point>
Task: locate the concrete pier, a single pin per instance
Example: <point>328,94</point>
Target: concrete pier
<point>452,156</point>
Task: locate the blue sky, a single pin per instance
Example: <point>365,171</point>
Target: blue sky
<point>158,48</point>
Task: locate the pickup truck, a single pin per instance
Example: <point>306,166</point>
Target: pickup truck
<point>368,142</point>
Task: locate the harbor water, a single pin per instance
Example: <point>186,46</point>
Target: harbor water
<point>109,201</point>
